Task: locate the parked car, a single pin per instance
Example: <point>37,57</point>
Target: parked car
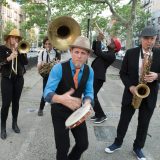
<point>33,49</point>
<point>120,54</point>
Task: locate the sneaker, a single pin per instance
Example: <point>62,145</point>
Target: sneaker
<point>100,120</point>
<point>93,118</point>
<point>139,154</point>
<point>40,112</point>
<point>112,148</point>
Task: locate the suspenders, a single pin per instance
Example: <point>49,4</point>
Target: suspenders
<point>47,60</point>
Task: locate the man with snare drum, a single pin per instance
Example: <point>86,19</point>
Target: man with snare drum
<point>65,96</point>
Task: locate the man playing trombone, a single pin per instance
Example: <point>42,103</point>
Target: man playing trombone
<point>104,58</point>
<point>12,67</point>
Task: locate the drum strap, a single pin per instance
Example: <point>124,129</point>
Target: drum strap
<point>47,57</point>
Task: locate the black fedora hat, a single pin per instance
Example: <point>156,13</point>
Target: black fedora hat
<point>148,32</point>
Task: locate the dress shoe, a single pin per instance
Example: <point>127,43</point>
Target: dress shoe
<point>40,112</point>
<point>3,134</point>
<point>15,127</point>
<point>112,148</point>
<point>138,152</point>
<point>100,120</point>
<point>93,118</point>
<point>3,129</point>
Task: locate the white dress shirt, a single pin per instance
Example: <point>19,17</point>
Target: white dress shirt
<point>141,60</point>
<point>42,56</point>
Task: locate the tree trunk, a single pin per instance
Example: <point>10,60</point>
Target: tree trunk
<point>129,36</point>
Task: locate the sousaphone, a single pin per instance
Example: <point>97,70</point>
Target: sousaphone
<point>62,32</point>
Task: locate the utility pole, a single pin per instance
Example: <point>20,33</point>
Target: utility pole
<point>89,33</point>
<point>1,23</point>
<point>48,12</point>
<point>88,25</point>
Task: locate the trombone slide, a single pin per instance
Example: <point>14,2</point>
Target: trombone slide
<point>14,68</point>
<point>23,47</point>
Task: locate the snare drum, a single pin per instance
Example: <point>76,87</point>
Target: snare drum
<point>78,117</point>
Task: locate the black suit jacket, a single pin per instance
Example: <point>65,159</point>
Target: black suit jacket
<point>129,75</point>
<point>103,60</point>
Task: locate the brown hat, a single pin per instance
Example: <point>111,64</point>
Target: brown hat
<point>82,42</point>
<point>14,32</point>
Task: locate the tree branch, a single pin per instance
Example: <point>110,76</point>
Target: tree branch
<point>114,13</point>
<point>1,2</point>
<point>133,10</point>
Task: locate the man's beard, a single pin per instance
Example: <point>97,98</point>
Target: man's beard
<point>78,65</point>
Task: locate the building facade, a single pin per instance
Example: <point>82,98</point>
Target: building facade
<point>11,12</point>
<point>153,7</point>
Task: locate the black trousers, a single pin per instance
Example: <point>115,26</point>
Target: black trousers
<point>144,116</point>
<point>59,116</point>
<point>11,89</point>
<point>42,103</point>
<point>97,107</point>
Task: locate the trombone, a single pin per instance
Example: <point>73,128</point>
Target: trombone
<point>99,30</point>
<point>105,39</point>
<point>23,48</point>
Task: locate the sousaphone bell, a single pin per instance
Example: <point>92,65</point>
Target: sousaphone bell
<point>62,32</point>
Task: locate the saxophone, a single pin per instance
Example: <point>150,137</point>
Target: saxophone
<point>46,68</point>
<point>142,90</point>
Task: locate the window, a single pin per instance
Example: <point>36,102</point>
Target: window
<point>153,21</point>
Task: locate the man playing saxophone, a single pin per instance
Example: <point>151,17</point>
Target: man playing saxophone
<point>130,73</point>
<point>45,58</point>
